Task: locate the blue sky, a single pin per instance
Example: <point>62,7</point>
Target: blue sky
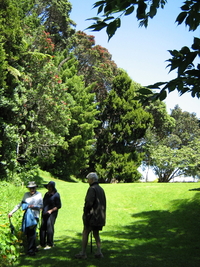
<point>141,52</point>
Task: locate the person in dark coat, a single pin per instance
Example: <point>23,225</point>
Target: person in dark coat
<point>94,215</point>
<point>51,205</point>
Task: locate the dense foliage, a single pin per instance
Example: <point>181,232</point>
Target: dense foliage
<point>35,102</point>
<point>52,89</point>
<point>66,107</point>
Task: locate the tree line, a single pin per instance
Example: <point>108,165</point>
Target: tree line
<point>66,107</point>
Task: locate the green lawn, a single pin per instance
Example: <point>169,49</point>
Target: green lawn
<point>148,224</point>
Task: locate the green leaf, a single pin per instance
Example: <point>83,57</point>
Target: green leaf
<point>129,10</point>
<point>153,11</point>
<point>183,65</point>
<point>190,21</point>
<point>100,9</point>
<point>145,91</point>
<point>108,18</point>
<point>112,27</point>
<point>141,10</point>
<point>162,95</point>
<point>173,52</point>
<point>98,26</point>
<point>196,44</point>
<point>185,50</point>
<point>108,8</point>
<point>156,85</point>
<point>99,3</point>
<point>171,85</point>
<point>181,17</point>
<point>185,7</point>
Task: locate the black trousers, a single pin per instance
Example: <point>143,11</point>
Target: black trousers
<point>47,229</point>
<point>31,239</point>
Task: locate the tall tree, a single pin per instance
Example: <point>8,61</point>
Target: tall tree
<point>12,49</point>
<point>95,64</point>
<point>176,153</point>
<point>169,163</point>
<point>34,116</point>
<point>53,16</point>
<point>123,124</point>
<point>161,127</point>
<point>187,125</point>
<point>183,61</point>
<point>73,158</point>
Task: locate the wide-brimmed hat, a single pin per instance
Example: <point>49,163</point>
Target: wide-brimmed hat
<point>51,183</point>
<point>31,184</point>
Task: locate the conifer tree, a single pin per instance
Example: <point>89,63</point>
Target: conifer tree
<point>123,125</point>
<point>73,157</point>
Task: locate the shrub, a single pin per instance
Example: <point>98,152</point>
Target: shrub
<point>10,241</point>
<point>10,245</point>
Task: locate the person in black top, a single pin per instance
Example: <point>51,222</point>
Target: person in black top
<point>51,205</point>
<point>94,215</point>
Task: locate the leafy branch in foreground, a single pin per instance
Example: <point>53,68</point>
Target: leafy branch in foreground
<point>183,61</point>
<point>109,7</point>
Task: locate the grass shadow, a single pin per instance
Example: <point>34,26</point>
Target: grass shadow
<point>162,238</point>
<point>194,189</point>
<point>61,255</point>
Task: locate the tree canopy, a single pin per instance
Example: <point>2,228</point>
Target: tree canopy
<point>172,149</point>
<point>95,64</point>
<point>66,107</point>
<point>36,105</point>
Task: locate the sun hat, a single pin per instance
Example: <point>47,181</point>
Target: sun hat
<point>92,175</point>
<point>51,183</point>
<point>31,184</point>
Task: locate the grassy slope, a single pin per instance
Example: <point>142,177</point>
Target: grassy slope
<point>148,224</point>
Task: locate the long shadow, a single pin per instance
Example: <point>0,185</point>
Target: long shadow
<point>155,238</point>
<point>195,189</point>
<point>163,238</point>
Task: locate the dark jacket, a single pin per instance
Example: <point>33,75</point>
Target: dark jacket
<point>94,211</point>
<point>50,201</point>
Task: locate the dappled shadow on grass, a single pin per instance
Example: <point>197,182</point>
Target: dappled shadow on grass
<point>163,238</point>
<point>168,238</point>
<point>194,189</point>
<point>60,255</point>
<point>63,255</point>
